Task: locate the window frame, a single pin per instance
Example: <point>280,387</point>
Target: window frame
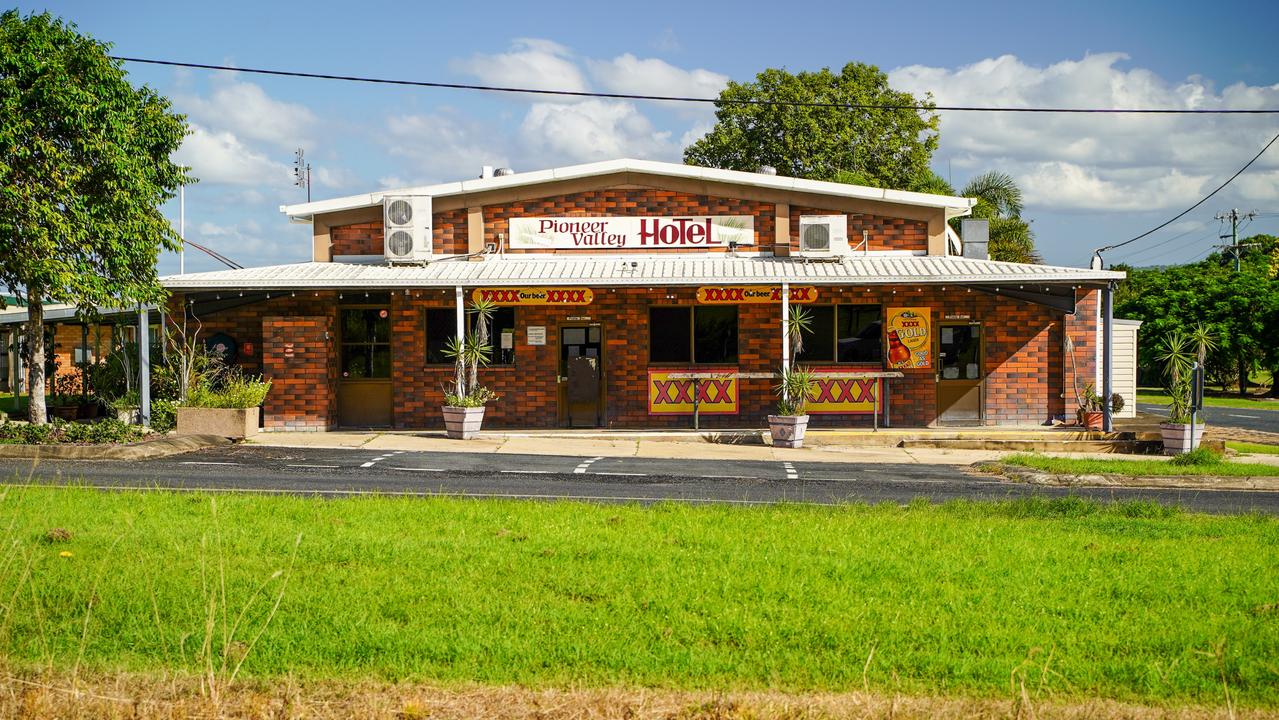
<point>835,335</point>
<point>390,342</point>
<point>494,339</point>
<point>692,336</point>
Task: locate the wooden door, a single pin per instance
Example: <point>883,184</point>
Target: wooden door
<point>959,374</point>
<point>581,375</point>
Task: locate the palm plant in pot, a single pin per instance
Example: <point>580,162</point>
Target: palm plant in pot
<point>795,387</point>
<point>1092,408</point>
<point>1179,352</point>
<point>464,402</point>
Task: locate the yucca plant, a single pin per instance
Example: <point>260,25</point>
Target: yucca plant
<point>468,354</point>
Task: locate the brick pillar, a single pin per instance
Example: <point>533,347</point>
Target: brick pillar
<point>298,358</point>
<point>1081,328</point>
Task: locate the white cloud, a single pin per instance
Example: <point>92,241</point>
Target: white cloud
<point>438,147</point>
<point>530,63</point>
<point>593,130</point>
<point>246,110</point>
<point>1110,162</point>
<point>219,157</point>
<point>651,76</point>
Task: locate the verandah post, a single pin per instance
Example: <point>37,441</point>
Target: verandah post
<point>785,334</point>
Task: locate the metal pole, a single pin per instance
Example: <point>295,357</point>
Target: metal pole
<point>182,229</point>
<point>785,334</point>
<point>1108,355</point>
<point>144,366</point>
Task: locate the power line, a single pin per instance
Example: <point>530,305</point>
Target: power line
<point>1097,253</point>
<point>215,255</point>
<point>1145,252</point>
<point>688,99</point>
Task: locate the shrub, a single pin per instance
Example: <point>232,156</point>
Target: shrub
<point>109,430</point>
<point>1198,456</point>
<point>164,415</point>
<point>235,391</point>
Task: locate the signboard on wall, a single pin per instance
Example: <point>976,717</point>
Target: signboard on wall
<point>674,395</point>
<point>535,296</point>
<point>908,332</point>
<point>644,233</point>
<point>536,334</point>
<point>749,294</point>
<point>849,396</point>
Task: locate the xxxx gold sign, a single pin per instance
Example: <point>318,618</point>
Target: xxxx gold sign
<point>674,395</point>
<point>909,337</point>
<point>747,294</point>
<point>535,296</point>
<point>850,396</point>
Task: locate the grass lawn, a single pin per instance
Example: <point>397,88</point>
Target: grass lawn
<point>1252,448</point>
<point>1136,468</point>
<point>1158,397</point>
<point>1131,601</point>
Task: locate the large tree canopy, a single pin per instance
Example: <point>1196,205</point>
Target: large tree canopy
<point>886,148</point>
<point>84,167</point>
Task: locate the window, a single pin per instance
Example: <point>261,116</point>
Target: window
<point>819,341</point>
<point>366,343</point>
<point>687,334</point>
<point>843,333</point>
<point>441,327</point>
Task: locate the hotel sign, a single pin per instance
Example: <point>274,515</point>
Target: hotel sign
<point>535,296</point>
<point>749,294</point>
<point>630,233</point>
<point>674,395</point>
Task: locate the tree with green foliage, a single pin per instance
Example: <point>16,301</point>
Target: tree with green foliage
<point>999,201</point>
<point>84,168</point>
<point>885,148</point>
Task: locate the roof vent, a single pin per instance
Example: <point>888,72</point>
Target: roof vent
<point>503,172</point>
<point>975,236</point>
<point>486,172</point>
<point>767,170</point>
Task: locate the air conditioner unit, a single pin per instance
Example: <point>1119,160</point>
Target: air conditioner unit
<point>406,227</point>
<point>823,236</point>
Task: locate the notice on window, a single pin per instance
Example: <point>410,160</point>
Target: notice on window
<point>909,337</point>
<point>508,340</point>
<point>536,334</point>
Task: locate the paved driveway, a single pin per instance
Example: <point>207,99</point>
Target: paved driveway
<point>325,471</point>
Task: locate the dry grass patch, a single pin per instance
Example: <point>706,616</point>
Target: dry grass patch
<point>149,697</point>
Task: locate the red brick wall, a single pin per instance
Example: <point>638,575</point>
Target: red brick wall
<point>886,233</point>
<point>1023,359</point>
<point>449,234</point>
<point>298,359</point>
<point>1080,367</point>
<point>358,239</point>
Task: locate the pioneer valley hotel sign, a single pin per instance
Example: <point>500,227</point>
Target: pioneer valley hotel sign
<point>615,233</point>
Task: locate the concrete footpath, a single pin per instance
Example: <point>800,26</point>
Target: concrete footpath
<point>826,446</point>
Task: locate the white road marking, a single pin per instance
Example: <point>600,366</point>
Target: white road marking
<point>526,472</point>
<point>328,467</point>
<point>375,460</point>
<point>202,462</point>
<point>581,469</point>
<point>1250,417</point>
<point>791,474</point>
<point>623,474</point>
<point>416,469</point>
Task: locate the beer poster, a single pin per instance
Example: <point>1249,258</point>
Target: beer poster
<point>908,339</point>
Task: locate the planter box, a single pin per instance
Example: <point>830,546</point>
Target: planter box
<point>64,412</point>
<point>129,416</point>
<point>235,423</point>
<point>1177,437</point>
<point>462,423</point>
<point>787,430</point>
<point>1093,420</point>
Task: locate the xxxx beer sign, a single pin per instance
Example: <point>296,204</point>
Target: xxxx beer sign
<point>674,395</point>
<point>844,395</point>
<point>747,294</point>
<point>535,296</point>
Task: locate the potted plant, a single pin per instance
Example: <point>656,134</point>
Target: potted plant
<point>464,402</point>
<point>64,402</point>
<point>1092,408</point>
<point>226,404</point>
<point>1179,352</point>
<point>795,387</point>
<point>126,408</point>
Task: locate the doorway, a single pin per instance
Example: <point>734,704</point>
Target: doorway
<point>959,375</point>
<point>581,374</point>
<point>364,377</point>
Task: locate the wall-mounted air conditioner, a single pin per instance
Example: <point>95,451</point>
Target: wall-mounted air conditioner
<point>823,236</point>
<point>406,227</point>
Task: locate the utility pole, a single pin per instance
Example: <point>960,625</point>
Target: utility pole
<point>302,172</point>
<point>1235,248</point>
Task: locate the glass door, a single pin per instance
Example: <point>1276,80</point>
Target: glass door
<point>959,376</point>
<point>581,374</point>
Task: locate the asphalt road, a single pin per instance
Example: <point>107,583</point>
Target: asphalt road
<point>1246,418</point>
<point>325,472</point>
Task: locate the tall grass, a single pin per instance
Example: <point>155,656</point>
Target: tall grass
<point>1046,598</point>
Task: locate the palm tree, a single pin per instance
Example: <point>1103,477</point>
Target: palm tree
<point>999,201</point>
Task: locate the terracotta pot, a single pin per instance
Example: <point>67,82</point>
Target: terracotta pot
<point>1177,437</point>
<point>787,430</point>
<point>1093,420</point>
<point>462,423</point>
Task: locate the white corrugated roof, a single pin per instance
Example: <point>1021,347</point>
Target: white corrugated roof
<point>868,269</point>
<point>955,206</point>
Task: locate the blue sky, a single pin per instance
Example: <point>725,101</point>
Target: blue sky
<point>1089,181</point>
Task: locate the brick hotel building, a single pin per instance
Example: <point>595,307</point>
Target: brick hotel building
<point>632,293</point>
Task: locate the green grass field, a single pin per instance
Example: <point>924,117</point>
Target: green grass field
<point>1158,397</point>
<point>1136,468</point>
<point>1073,598</point>
<point>1247,448</point>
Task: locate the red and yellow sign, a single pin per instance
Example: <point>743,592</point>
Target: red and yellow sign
<point>909,337</point>
<point>535,296</point>
<point>750,294</point>
<point>669,395</point>
<point>849,396</point>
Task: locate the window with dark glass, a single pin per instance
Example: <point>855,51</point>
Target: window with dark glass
<point>441,327</point>
<point>366,343</point>
<point>819,340</point>
<point>859,333</point>
<point>686,334</point>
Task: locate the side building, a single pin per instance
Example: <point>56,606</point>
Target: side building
<point>634,294</point>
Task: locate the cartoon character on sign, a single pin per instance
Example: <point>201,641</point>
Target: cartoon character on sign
<point>908,336</point>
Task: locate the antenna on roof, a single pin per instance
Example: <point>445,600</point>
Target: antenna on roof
<point>302,172</point>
